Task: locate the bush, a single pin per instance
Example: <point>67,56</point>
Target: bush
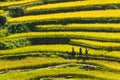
<point>10,44</point>
<point>2,20</point>
<point>2,45</point>
<point>3,33</point>
<point>16,12</point>
<point>17,28</point>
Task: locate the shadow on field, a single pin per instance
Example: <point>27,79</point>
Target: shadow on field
<point>37,41</point>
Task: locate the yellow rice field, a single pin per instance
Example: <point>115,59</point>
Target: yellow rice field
<point>71,5</point>
<point>60,40</point>
<point>80,27</point>
<point>15,3</point>
<point>96,44</point>
<point>71,15</point>
<point>85,35</point>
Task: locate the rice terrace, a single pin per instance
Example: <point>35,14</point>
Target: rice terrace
<point>59,39</point>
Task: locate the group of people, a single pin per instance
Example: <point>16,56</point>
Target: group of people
<point>80,52</point>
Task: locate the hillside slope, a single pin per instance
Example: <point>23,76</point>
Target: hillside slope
<point>59,40</point>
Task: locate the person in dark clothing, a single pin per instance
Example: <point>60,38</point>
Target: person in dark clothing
<point>86,51</point>
<point>80,51</point>
<point>73,52</point>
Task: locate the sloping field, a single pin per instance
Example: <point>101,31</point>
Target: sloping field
<point>51,49</point>
<point>101,14</point>
<point>114,37</point>
<point>26,2</point>
<point>60,40</point>
<point>32,62</point>
<point>68,6</point>
<point>96,45</point>
<point>38,74</point>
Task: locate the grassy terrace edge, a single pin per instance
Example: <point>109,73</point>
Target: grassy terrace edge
<point>32,62</point>
<point>59,72</point>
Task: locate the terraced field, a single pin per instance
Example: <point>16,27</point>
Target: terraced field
<point>59,40</point>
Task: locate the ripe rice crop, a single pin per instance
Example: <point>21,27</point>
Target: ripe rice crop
<point>79,27</point>
<point>100,14</point>
<point>41,48</point>
<point>31,62</point>
<point>69,5</point>
<point>96,44</point>
<point>60,39</point>
<point>108,64</point>
<point>15,3</point>
<point>56,72</point>
<point>1,11</point>
<point>22,2</point>
<point>102,36</point>
<point>58,49</point>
